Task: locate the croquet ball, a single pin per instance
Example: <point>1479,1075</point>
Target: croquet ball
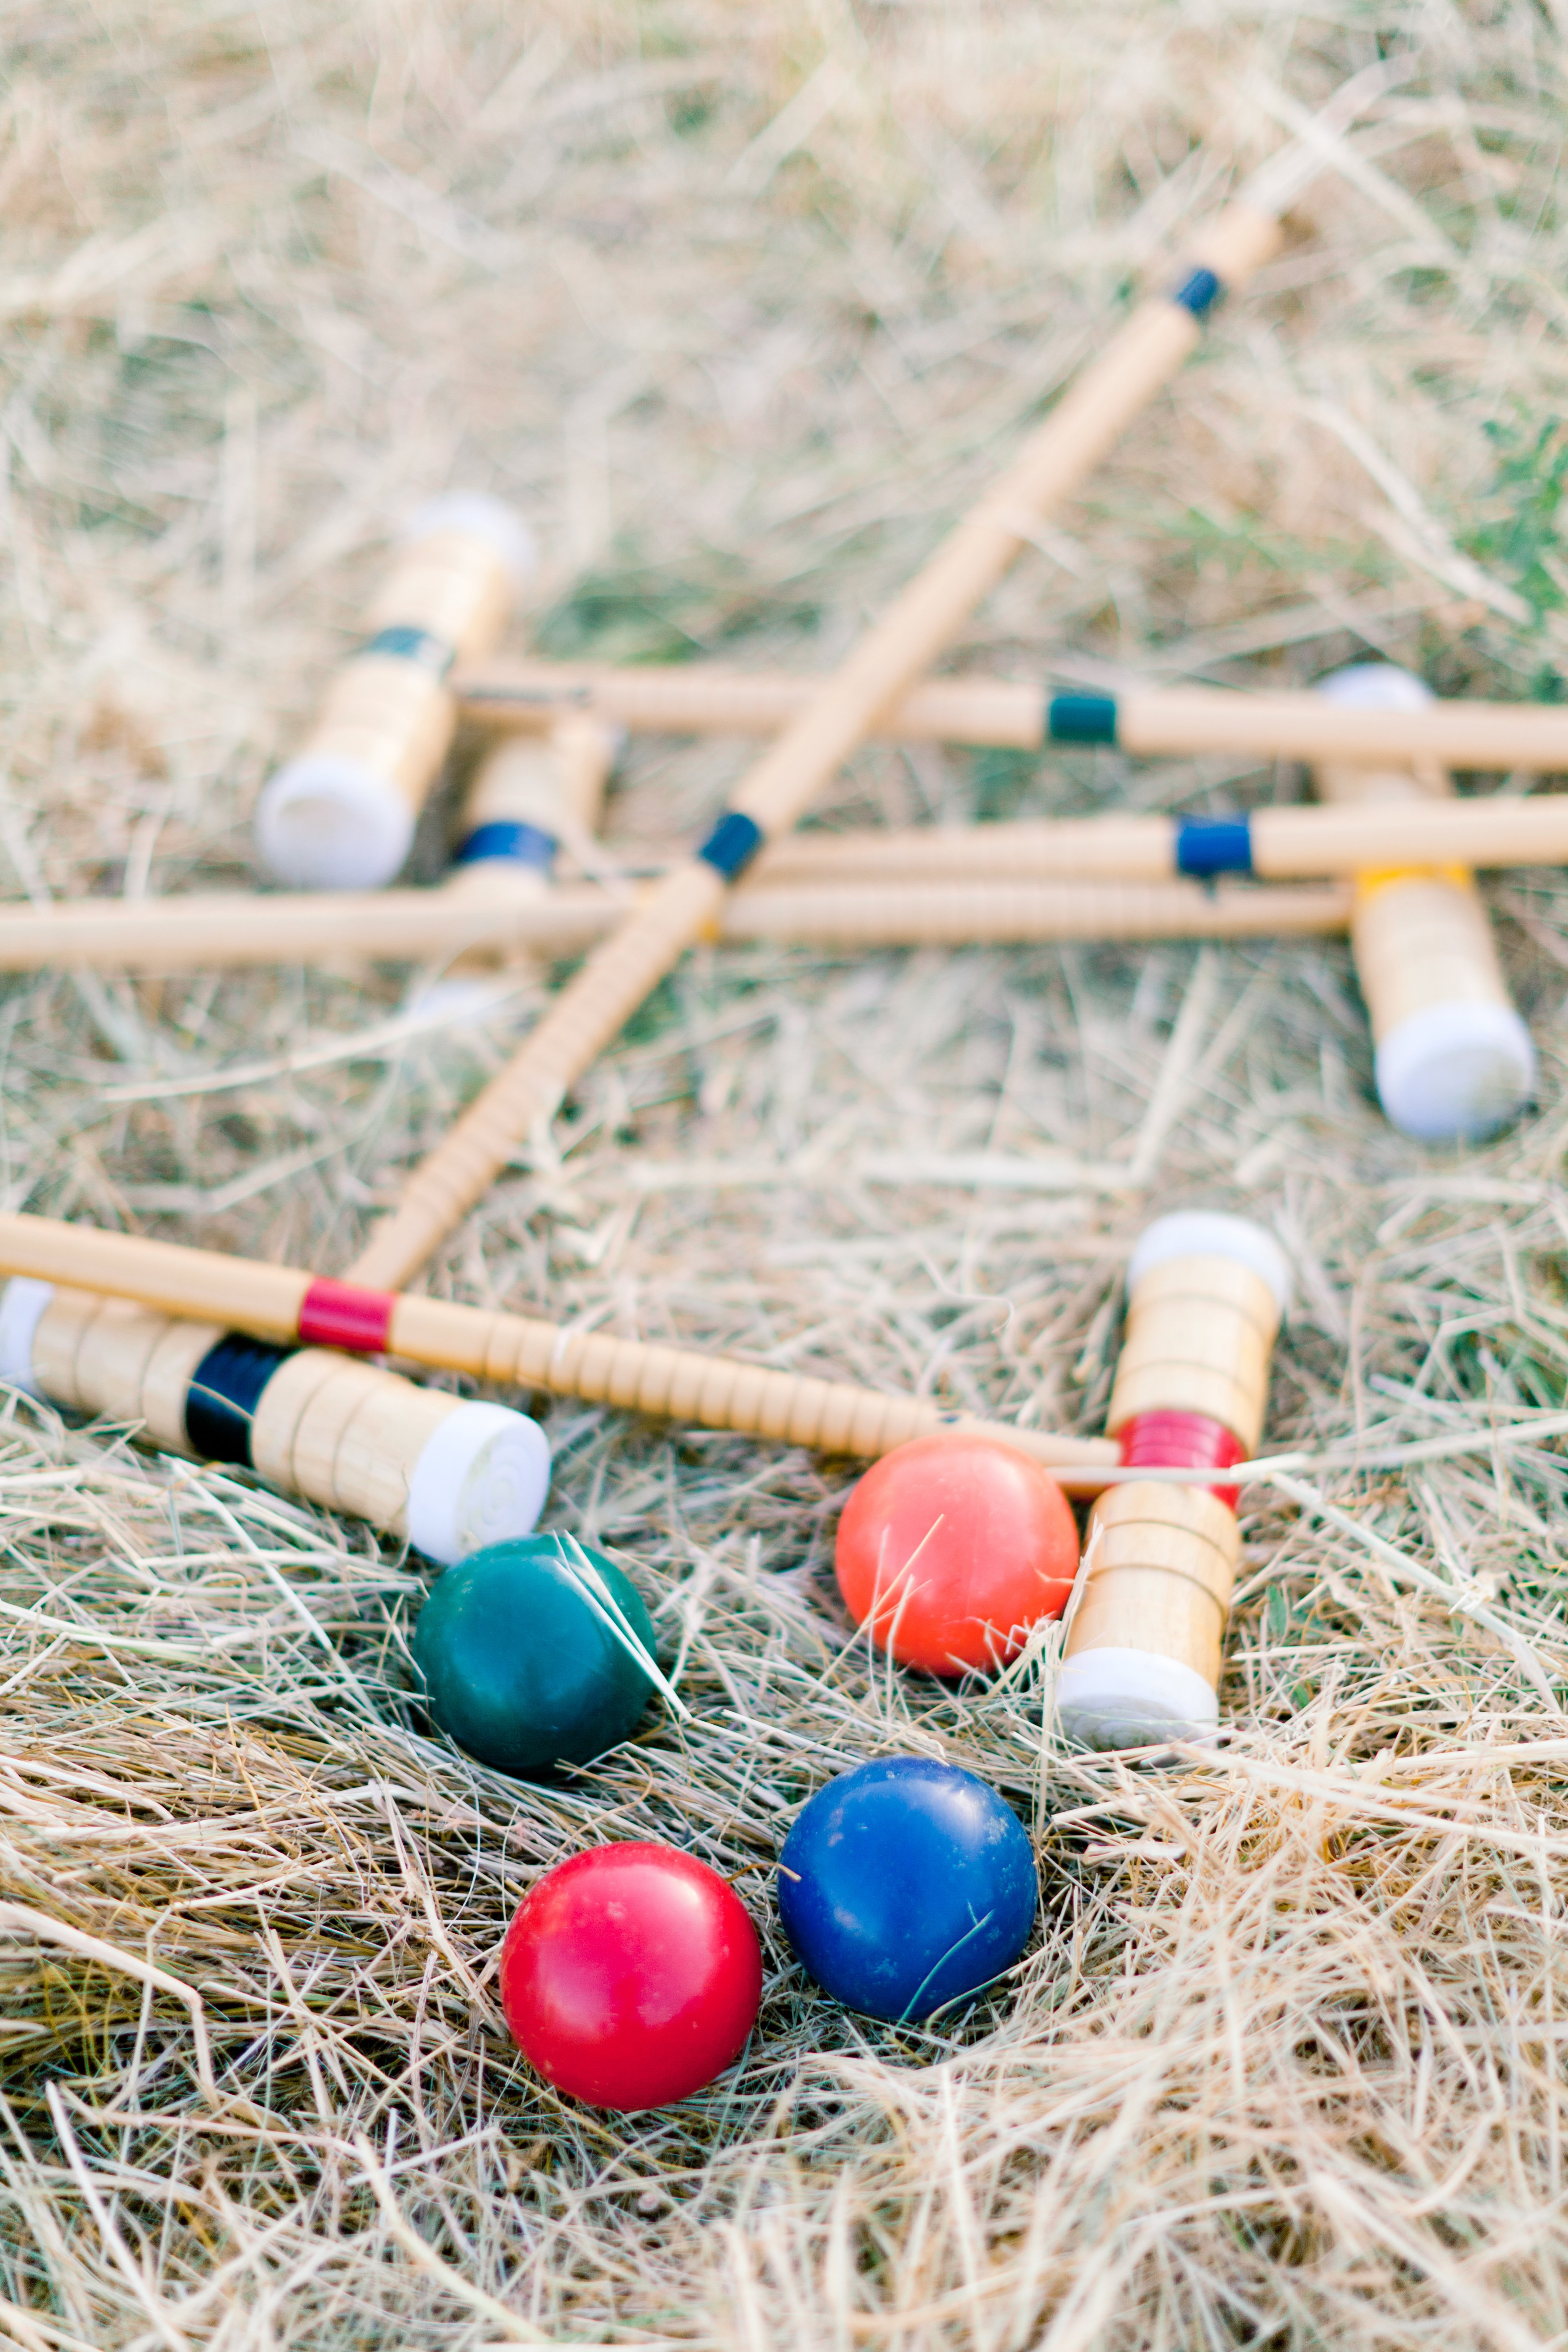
<point>631,1976</point>
<point>951,1547</point>
<point>528,1650</point>
<point>905,1884</point>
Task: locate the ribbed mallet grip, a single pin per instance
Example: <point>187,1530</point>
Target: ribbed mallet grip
<point>1144,1651</point>
<point>280,1305</point>
<point>579,1023</point>
<point>342,814</point>
<point>447,1474</point>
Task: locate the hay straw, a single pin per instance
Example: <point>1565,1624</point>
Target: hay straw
<point>740,307</point>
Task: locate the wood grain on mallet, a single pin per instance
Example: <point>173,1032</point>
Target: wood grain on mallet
<point>1159,1560</point>
<point>1200,1331</point>
<point>344,1433</point>
<point>623,972</point>
<point>1419,936</point>
<point>1159,1566</point>
<point>683,1384</point>
<point>395,716</point>
<point>1175,721</point>
<point>503,913</point>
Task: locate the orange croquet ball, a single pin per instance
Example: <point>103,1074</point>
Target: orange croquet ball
<point>951,1547</point>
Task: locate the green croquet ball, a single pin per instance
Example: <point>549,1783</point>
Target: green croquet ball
<point>527,1654</point>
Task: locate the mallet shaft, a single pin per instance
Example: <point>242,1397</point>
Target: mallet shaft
<point>283,1304</point>
<point>780,786</point>
<point>1289,844</point>
<point>1169,721</point>
<point>225,932</point>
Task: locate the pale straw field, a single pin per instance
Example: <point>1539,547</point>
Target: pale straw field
<point>742,306</point>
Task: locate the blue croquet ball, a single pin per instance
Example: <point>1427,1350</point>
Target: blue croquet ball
<point>906,1883</point>
<point>527,1650</point>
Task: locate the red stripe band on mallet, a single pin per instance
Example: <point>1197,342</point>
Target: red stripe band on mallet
<point>342,1314</point>
<point>1180,1441</point>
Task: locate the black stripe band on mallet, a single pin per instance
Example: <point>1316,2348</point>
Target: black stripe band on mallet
<point>226,1389</point>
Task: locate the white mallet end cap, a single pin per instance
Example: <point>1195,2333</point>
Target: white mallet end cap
<point>479,516</point>
<point>481,1479</point>
<point>1133,1698</point>
<point>324,823</point>
<point>1205,1233</point>
<point>1454,1073</point>
<point>22,1302</point>
<point>1375,686</point>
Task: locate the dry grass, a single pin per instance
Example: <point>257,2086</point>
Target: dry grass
<point>742,305</point>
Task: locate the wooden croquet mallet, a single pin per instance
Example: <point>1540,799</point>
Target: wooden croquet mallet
<point>1205,1295</point>
<point>527,794</point>
<point>1453,1060</point>
<point>620,974</point>
<point>283,1305</point>
<point>448,1476</point>
<point>341,815</point>
<point>1146,721</point>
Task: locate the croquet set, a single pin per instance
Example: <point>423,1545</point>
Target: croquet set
<point>631,1975</point>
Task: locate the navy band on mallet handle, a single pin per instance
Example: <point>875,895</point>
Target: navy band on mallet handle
<point>528,794</point>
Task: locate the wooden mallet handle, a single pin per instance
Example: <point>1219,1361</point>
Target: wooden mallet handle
<point>1147,721</point>
<point>283,1305</point>
<point>1272,843</point>
<point>507,916</point>
<point>624,971</point>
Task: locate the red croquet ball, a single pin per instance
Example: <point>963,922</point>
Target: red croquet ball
<point>631,1976</point>
<point>951,1547</point>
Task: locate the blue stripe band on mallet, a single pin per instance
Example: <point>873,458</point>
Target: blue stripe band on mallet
<point>1080,719</point>
<point>418,645</point>
<point>507,840</point>
<point>1214,844</point>
<point>733,844</point>
<point>1198,292</point>
<point>226,1389</point>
